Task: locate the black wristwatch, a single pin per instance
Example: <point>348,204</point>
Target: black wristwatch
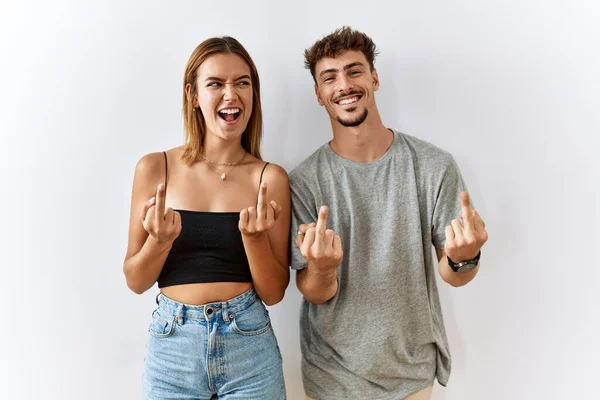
<point>464,266</point>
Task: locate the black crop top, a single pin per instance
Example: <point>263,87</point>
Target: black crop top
<point>208,249</point>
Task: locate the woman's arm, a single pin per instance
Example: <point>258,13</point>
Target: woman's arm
<point>146,253</point>
<point>266,236</point>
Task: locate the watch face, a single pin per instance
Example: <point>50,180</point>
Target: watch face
<point>467,267</point>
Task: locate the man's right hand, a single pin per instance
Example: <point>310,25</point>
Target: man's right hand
<point>320,246</point>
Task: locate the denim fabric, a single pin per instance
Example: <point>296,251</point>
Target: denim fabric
<point>225,350</point>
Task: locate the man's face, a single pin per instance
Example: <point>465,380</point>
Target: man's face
<point>346,87</point>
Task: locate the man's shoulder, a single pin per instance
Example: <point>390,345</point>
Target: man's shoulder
<point>426,153</point>
<point>307,169</point>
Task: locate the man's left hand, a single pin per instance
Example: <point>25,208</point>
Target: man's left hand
<point>463,241</point>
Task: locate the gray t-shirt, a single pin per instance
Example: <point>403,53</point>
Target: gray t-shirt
<point>382,334</point>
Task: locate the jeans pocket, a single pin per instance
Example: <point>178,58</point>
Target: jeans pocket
<point>161,327</point>
<point>251,321</point>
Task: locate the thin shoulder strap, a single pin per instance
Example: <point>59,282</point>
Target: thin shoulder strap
<point>166,169</point>
<point>261,174</point>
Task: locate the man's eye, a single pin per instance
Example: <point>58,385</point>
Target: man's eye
<point>214,84</point>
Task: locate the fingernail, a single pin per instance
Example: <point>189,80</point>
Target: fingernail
<point>161,187</point>
<point>151,200</point>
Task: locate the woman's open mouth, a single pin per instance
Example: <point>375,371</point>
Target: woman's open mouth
<point>230,115</point>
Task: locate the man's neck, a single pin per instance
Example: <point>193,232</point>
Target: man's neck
<point>364,143</point>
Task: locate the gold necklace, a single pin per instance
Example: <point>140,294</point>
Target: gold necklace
<point>223,175</point>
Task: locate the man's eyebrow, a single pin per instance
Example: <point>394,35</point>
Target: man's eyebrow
<point>327,71</point>
<point>346,67</point>
<point>354,64</point>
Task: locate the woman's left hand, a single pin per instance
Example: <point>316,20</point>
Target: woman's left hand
<point>254,221</point>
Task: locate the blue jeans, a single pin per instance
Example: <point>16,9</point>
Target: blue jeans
<point>224,350</point>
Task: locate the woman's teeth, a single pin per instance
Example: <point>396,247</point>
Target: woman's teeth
<point>229,114</point>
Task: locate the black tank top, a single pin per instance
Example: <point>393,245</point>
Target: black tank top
<point>208,249</point>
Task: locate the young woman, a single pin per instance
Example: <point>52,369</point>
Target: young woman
<point>215,265</point>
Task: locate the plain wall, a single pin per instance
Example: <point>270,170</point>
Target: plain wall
<point>509,88</point>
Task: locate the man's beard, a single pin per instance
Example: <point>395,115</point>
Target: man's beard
<point>354,122</point>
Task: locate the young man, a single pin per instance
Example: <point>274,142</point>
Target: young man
<point>371,322</point>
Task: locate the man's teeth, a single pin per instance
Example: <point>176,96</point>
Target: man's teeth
<point>350,100</point>
<point>230,111</point>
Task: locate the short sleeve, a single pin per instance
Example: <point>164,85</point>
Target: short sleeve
<point>303,212</point>
<point>447,205</point>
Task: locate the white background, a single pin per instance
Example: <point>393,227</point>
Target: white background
<point>509,88</point>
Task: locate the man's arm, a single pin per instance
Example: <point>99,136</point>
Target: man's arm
<point>456,279</point>
<point>463,242</point>
<point>317,287</point>
<point>322,250</point>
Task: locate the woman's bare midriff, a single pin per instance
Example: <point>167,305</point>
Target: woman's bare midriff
<point>203,293</point>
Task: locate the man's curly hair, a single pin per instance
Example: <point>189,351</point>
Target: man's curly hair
<point>336,43</point>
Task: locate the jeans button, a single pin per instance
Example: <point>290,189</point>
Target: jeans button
<point>209,311</point>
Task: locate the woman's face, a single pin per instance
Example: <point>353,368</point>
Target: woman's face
<point>224,90</point>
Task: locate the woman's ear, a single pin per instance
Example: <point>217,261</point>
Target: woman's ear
<point>191,98</point>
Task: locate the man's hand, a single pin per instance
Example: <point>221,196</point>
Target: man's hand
<point>319,246</point>
<point>463,241</point>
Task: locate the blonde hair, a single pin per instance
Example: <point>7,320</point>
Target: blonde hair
<point>193,120</point>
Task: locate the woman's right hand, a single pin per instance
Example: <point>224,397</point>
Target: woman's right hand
<point>163,225</point>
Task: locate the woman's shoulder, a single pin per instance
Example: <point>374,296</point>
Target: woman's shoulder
<point>269,169</point>
<point>150,164</point>
<point>153,165</point>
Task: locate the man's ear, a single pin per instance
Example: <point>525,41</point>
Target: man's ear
<point>319,100</point>
<point>375,79</point>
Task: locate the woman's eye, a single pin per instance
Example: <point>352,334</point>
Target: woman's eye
<point>244,83</point>
<point>214,84</point>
